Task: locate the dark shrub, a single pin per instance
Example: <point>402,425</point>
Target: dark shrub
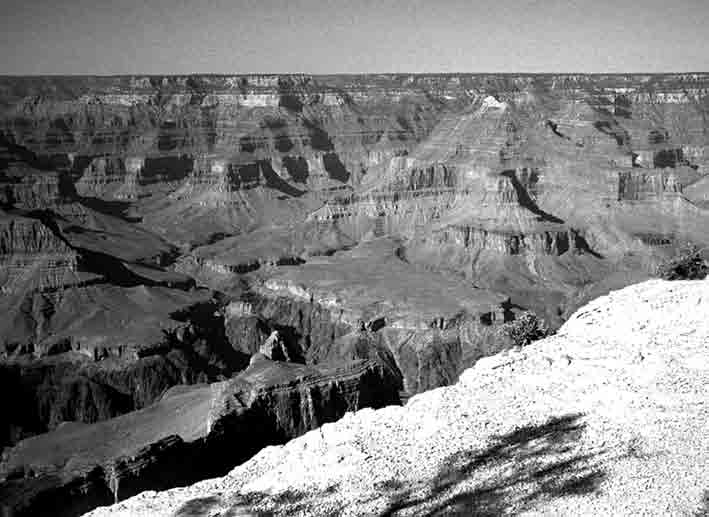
<point>688,264</point>
<point>527,327</point>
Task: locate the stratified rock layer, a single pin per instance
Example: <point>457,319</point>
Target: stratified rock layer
<point>191,433</point>
<point>608,417</point>
<point>430,325</point>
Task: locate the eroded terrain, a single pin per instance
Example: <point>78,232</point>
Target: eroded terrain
<point>162,232</point>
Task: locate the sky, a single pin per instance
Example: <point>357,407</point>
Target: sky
<point>107,37</point>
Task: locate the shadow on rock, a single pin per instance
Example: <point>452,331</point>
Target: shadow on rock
<point>526,201</point>
<point>114,208</point>
<point>531,464</point>
<point>704,510</point>
<point>537,463</point>
<point>197,507</point>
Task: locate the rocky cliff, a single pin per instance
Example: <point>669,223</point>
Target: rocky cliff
<point>157,230</point>
<point>189,434</point>
<point>427,325</point>
<point>604,418</point>
<point>390,153</point>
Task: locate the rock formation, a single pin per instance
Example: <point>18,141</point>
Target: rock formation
<point>189,434</point>
<point>432,326</point>
<point>605,418</point>
<point>274,348</point>
<point>156,231</point>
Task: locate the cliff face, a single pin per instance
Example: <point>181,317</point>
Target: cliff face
<point>99,352</point>
<point>26,181</point>
<point>427,327</point>
<point>389,154</point>
<point>190,433</point>
<point>124,135</point>
<point>605,418</point>
<point>392,217</point>
<point>532,185</point>
<point>398,219</point>
<point>32,256</point>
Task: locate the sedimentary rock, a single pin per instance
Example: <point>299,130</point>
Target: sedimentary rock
<point>190,433</point>
<point>32,256</point>
<point>99,352</point>
<point>605,418</point>
<point>274,348</point>
<point>545,189</point>
<point>429,325</point>
<point>397,218</point>
<point>414,156</point>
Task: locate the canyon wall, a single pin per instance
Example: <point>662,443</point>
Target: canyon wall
<point>160,231</point>
<point>118,193</point>
<point>189,434</point>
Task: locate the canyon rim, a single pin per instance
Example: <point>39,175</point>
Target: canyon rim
<point>354,281</point>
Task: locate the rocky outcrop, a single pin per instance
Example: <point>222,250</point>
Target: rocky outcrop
<point>549,242</point>
<point>604,418</point>
<point>244,328</point>
<point>634,186</point>
<point>81,370</point>
<point>32,257</point>
<point>24,236</point>
<point>100,320</point>
<point>24,187</point>
<point>426,326</point>
<point>189,434</point>
<point>274,348</point>
<point>111,177</point>
<point>26,182</point>
<point>69,387</point>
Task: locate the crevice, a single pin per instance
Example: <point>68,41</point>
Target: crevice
<point>526,201</point>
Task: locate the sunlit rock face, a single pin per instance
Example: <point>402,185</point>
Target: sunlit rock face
<point>513,181</point>
<point>553,177</point>
<point>369,303</point>
<point>32,257</point>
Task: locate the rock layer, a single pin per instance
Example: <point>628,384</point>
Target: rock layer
<point>604,418</point>
<point>191,433</point>
<point>432,326</point>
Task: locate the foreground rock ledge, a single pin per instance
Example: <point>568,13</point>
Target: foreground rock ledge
<point>608,417</point>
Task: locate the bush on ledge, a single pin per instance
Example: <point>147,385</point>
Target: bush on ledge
<point>527,327</point>
<point>687,265</point>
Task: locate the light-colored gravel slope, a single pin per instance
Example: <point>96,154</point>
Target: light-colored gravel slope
<point>608,417</point>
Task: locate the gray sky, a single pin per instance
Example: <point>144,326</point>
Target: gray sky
<point>355,36</point>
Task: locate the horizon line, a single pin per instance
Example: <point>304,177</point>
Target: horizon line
<point>341,74</point>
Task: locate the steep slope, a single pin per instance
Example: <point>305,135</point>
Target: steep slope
<point>540,192</point>
<point>191,433</point>
<point>93,324</point>
<point>513,192</point>
<point>433,325</point>
<point>608,417</point>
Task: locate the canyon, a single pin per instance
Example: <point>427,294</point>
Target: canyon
<point>607,417</point>
<point>361,238</point>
